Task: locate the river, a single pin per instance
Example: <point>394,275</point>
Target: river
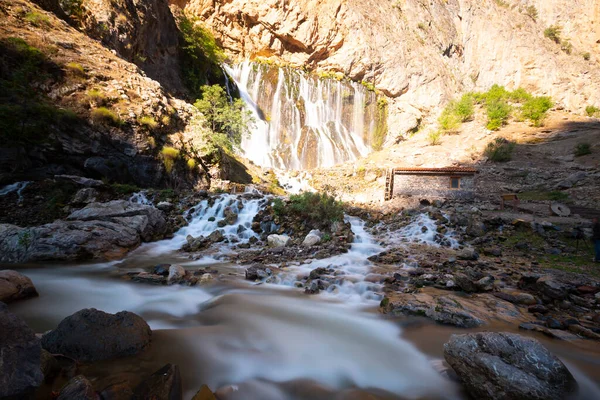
<point>268,341</point>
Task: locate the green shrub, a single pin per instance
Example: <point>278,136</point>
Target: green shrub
<point>592,111</point>
<point>457,112</point>
<point>531,12</point>
<point>191,164</point>
<point>499,150</point>
<point>519,95</point>
<point>434,138</point>
<point>536,108</point>
<point>566,46</point>
<point>553,33</point>
<point>230,121</point>
<point>169,155</point>
<point>73,8</point>
<point>498,112</point>
<point>587,56</point>
<point>37,19</point>
<point>148,122</point>
<point>96,96</point>
<point>75,68</point>
<point>582,149</point>
<point>105,116</point>
<point>315,208</point>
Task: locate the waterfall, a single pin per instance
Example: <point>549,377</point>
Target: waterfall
<point>303,121</point>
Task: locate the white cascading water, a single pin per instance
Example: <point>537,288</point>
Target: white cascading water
<point>422,229</point>
<point>305,122</point>
<point>15,187</point>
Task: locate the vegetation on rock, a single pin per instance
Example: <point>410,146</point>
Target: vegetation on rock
<point>499,150</point>
<point>315,208</point>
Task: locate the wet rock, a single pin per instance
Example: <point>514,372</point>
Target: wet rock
<point>278,240</point>
<point>476,228</point>
<point>222,223</point>
<point>15,286</point>
<point>584,332</point>
<point>538,308</point>
<point>161,269</point>
<point>313,238</point>
<point>553,323</point>
<point>507,366</point>
<point>164,384</point>
<point>78,388</point>
<point>204,394</point>
<point>206,278</point>
<point>317,272</point>
<point>230,216</point>
<point>201,242</point>
<point>467,254</point>
<point>176,274</point>
<point>49,365</point>
<point>552,288</point>
<point>313,288</point>
<point>91,335</point>
<point>20,356</point>
<point>445,310</point>
<point>165,206</point>
<point>516,297</point>
<point>117,391</point>
<point>258,272</point>
<point>85,196</point>
<point>146,277</point>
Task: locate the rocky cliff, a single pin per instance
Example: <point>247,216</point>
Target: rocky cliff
<point>422,53</point>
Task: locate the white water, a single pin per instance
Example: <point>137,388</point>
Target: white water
<point>422,230</point>
<point>15,187</point>
<point>308,122</point>
<point>351,269</point>
<point>140,198</point>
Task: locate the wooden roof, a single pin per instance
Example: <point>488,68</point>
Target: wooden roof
<point>431,170</point>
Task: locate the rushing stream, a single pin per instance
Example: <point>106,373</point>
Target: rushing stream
<point>265,341</point>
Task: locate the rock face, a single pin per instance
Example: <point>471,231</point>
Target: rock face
<point>503,366</point>
<point>100,230</point>
<point>386,43</point>
<point>20,350</point>
<point>14,286</point>
<point>91,335</point>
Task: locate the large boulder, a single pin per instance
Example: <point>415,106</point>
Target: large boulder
<point>147,220</point>
<point>99,230</point>
<point>91,335</point>
<point>278,240</point>
<point>20,356</point>
<point>313,238</point>
<point>15,286</point>
<point>164,384</point>
<point>507,366</point>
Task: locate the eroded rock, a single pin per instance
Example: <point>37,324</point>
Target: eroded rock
<point>15,286</point>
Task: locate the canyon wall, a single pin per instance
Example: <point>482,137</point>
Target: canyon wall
<point>421,53</point>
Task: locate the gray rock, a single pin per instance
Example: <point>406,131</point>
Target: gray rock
<point>572,180</point>
<point>552,288</point>
<point>257,272</point>
<point>278,240</point>
<point>20,356</point>
<point>176,274</point>
<point>91,335</point>
<point>15,286</point>
<point>85,196</point>
<point>100,230</point>
<point>164,384</point>
<point>164,206</point>
<point>313,238</point>
<point>467,254</point>
<point>506,366</point>
<point>78,388</point>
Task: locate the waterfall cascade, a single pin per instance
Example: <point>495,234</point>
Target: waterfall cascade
<point>303,121</point>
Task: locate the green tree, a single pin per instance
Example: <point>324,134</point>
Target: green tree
<point>230,119</point>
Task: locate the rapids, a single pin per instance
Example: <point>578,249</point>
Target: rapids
<point>266,341</point>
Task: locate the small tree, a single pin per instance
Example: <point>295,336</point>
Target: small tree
<point>553,33</point>
<point>223,117</point>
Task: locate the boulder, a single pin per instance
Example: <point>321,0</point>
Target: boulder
<point>20,356</point>
<point>467,254</point>
<point>572,180</point>
<point>91,335</point>
<point>78,388</point>
<point>552,288</point>
<point>507,366</point>
<point>176,274</point>
<point>147,220</point>
<point>230,216</point>
<point>313,238</point>
<point>85,196</point>
<point>165,206</point>
<point>99,230</point>
<point>164,384</point>
<point>14,286</point>
<point>278,240</point>
<point>257,272</point>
